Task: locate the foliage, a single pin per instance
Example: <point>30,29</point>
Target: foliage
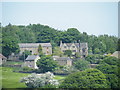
<point>110,66</point>
<point>113,81</point>
<point>46,63</point>
<point>118,48</point>
<point>57,51</point>
<point>9,46</point>
<point>40,50</point>
<point>43,33</point>
<point>40,81</point>
<point>77,55</point>
<point>81,64</point>
<point>94,59</point>
<point>65,70</point>
<point>25,55</point>
<point>68,53</point>
<point>90,78</point>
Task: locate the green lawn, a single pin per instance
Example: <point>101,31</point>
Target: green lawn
<point>13,63</point>
<point>12,79</point>
<point>58,77</point>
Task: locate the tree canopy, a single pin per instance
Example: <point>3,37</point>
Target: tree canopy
<point>37,33</point>
<point>46,63</point>
<point>90,78</point>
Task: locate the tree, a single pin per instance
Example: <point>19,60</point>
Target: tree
<point>25,54</point>
<point>77,55</point>
<point>10,45</point>
<point>90,78</point>
<point>40,50</point>
<point>40,81</point>
<point>110,67</point>
<point>82,64</point>
<point>95,58</point>
<point>46,63</point>
<point>57,51</point>
<point>68,52</point>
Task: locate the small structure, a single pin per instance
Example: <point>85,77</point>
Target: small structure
<point>63,60</point>
<point>31,61</point>
<point>33,48</point>
<point>116,54</point>
<point>3,59</point>
<point>13,57</point>
<point>81,48</point>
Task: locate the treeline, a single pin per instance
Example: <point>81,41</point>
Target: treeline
<point>37,33</point>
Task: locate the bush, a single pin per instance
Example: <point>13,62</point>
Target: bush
<point>40,81</point>
<point>81,64</point>
<point>94,59</point>
<point>65,70</point>
<point>90,78</point>
<point>46,63</point>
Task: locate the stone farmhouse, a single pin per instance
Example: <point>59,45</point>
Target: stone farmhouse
<point>63,61</point>
<point>3,59</point>
<point>31,60</point>
<point>81,48</point>
<point>33,48</point>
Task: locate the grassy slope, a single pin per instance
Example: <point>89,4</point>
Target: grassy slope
<point>12,80</point>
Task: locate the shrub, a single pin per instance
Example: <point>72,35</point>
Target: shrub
<point>40,81</point>
<point>46,63</point>
<point>65,70</point>
<point>90,78</point>
<point>81,64</point>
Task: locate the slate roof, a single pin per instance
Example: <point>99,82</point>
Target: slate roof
<point>83,45</point>
<point>63,58</point>
<point>33,45</point>
<point>31,57</point>
<point>1,56</point>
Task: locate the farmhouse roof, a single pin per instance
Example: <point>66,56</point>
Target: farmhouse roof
<point>2,56</point>
<point>83,45</point>
<point>31,57</point>
<point>33,45</point>
<point>63,58</point>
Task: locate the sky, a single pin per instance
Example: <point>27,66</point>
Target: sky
<point>92,17</point>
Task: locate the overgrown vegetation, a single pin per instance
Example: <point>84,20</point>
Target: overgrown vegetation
<point>12,35</point>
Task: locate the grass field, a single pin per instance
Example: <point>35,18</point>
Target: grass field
<point>12,80</point>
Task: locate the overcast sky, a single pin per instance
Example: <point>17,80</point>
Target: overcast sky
<point>91,17</point>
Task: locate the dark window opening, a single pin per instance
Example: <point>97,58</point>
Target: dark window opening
<point>74,50</point>
<point>73,46</point>
<point>83,55</point>
<point>64,46</point>
<point>83,49</point>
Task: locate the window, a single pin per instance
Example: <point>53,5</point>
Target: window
<point>83,49</point>
<point>73,46</point>
<point>63,50</point>
<point>74,50</point>
<point>64,46</point>
<point>83,55</point>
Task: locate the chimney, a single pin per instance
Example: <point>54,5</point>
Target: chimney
<point>60,42</point>
<point>79,45</point>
